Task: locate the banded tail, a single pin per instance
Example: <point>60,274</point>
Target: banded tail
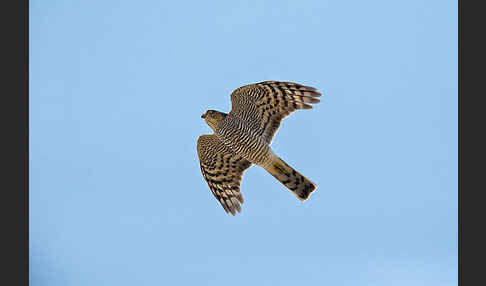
<point>290,178</point>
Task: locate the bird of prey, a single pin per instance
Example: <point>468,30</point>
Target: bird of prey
<point>242,137</point>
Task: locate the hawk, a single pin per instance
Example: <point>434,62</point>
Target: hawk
<point>242,137</point>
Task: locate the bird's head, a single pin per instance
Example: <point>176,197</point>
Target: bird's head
<point>213,118</point>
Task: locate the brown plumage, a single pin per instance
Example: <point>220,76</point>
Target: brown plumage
<point>242,137</point>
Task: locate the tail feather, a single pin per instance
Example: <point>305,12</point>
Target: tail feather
<point>290,178</point>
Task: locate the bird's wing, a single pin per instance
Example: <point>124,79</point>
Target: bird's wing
<point>222,169</point>
<point>263,105</point>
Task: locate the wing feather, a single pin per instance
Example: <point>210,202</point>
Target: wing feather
<point>222,169</point>
<point>264,105</point>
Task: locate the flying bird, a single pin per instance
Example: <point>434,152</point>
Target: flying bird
<point>243,136</point>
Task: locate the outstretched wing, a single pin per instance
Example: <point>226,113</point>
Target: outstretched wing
<point>222,169</point>
<point>263,105</point>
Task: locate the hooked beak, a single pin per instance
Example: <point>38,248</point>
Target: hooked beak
<point>203,115</point>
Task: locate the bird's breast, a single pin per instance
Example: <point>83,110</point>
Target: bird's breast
<point>243,140</point>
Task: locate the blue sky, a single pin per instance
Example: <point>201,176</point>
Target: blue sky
<point>116,93</point>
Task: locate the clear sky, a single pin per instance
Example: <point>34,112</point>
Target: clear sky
<point>116,93</point>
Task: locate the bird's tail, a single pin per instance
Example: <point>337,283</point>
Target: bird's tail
<point>290,178</point>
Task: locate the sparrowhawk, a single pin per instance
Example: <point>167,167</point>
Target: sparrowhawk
<point>242,137</point>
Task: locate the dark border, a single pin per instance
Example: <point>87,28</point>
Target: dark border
<point>14,23</point>
<point>471,144</point>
